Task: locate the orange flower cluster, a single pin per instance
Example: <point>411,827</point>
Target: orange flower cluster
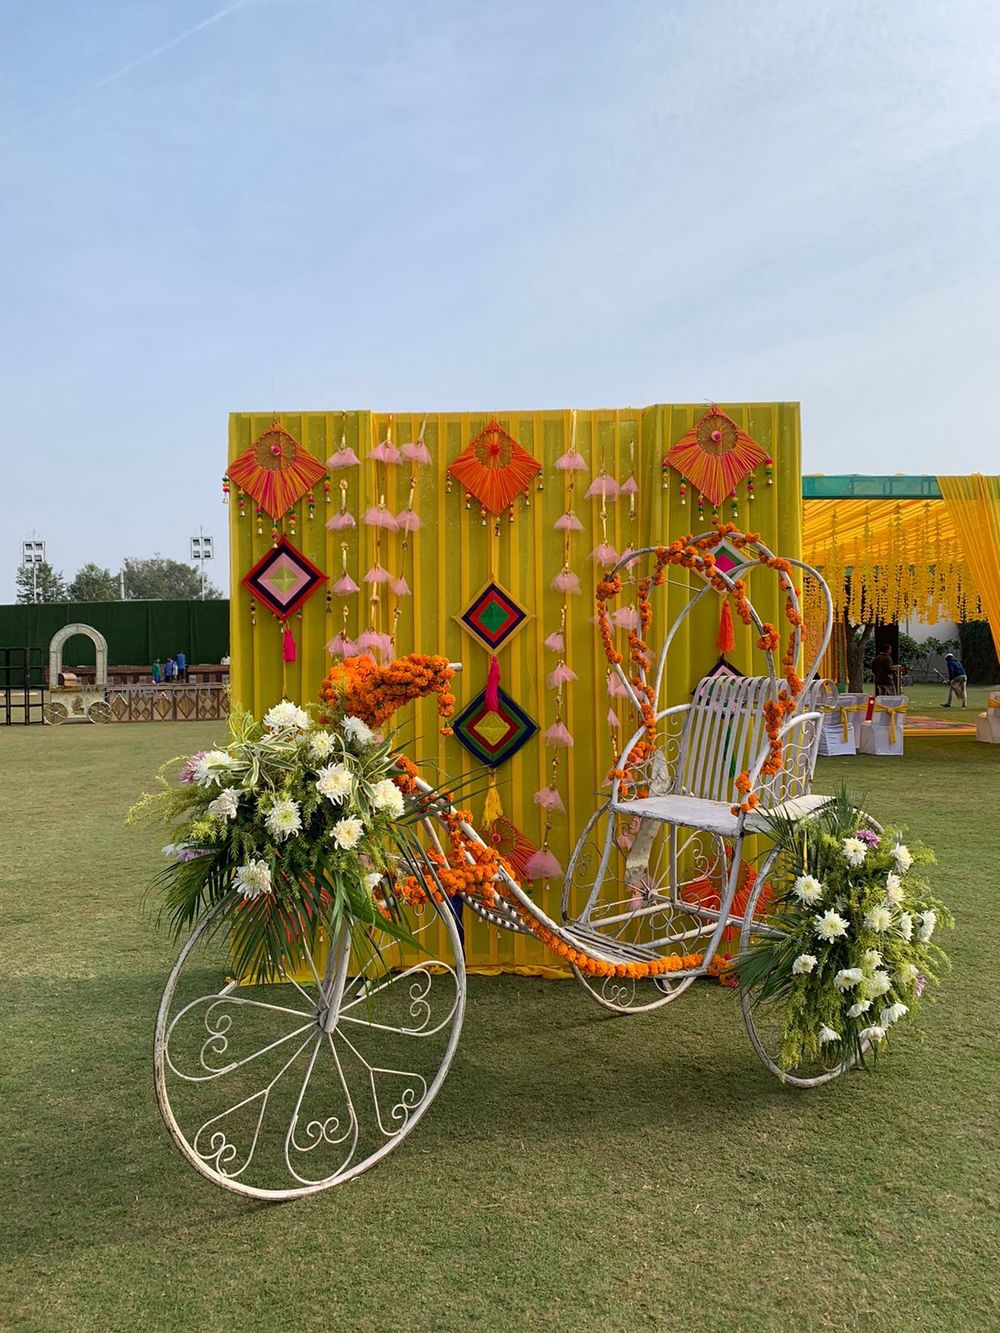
<point>359,687</point>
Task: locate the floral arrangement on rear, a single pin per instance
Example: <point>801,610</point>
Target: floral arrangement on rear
<point>854,948</point>
<point>290,830</point>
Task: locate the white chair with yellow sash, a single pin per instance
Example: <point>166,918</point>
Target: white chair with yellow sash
<point>841,724</point>
<point>988,722</point>
<point>883,735</point>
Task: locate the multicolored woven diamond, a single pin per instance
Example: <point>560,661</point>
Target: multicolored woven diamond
<point>283,579</point>
<point>276,471</point>
<point>493,738</point>
<point>727,557</point>
<point>493,617</point>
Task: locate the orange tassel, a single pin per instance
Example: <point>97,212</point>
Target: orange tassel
<point>726,640</point>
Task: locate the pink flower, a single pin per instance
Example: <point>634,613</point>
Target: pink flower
<point>570,462</point>
<point>602,487</point>
<point>558,734</point>
<point>556,642</point>
<point>566,581</point>
<point>568,523</point>
<point>561,676</point>
<point>385,452</point>
<point>344,457</point>
<point>340,520</point>
<point>543,865</point>
<point>417,452</point>
<point>549,799</point>
<point>187,772</point>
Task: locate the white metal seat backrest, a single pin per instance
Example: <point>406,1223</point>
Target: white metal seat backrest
<point>724,733</point>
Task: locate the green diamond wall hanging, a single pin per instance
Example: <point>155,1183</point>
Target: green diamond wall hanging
<point>493,617</point>
<point>493,737</point>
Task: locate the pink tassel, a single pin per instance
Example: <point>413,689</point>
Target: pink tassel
<point>571,462</point>
<point>371,639</point>
<point>549,799</point>
<point>613,719</point>
<point>385,452</point>
<point>380,518</point>
<point>345,586</point>
<point>566,581</point>
<point>628,487</point>
<point>377,575</point>
<point>287,646</point>
<point>340,521</point>
<point>561,676</point>
<point>408,521</point>
<point>417,452</point>
<point>626,617</point>
<point>602,486</point>
<point>341,644</point>
<point>604,554</point>
<point>543,865</point>
<point>625,556</point>
<point>557,642</point>
<point>558,734</point>
<point>492,692</point>
<point>615,687</point>
<point>342,458</point>
<point>568,523</point>
<point>400,587</point>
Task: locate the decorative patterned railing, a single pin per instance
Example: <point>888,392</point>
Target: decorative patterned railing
<point>177,703</point>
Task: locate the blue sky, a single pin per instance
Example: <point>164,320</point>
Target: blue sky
<point>318,203</point>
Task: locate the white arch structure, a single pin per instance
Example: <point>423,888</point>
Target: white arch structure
<point>100,647</point>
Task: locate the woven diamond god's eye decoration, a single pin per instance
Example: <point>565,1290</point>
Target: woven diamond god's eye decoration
<point>493,735</point>
<point>493,617</point>
<point>283,579</point>
<point>494,468</point>
<point>715,454</point>
<point>276,470</point>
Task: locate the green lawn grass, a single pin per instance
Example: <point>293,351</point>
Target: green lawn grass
<point>577,1170</point>
<point>927,699</point>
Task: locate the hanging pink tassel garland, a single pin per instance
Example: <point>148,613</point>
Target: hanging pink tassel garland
<point>561,676</point>
<point>378,517</point>
<point>604,554</point>
<point>377,575</point>
<point>566,581</point>
<point>570,462</point>
<point>400,587</point>
<point>568,523</point>
<point>558,734</point>
<point>385,452</point>
<point>542,865</point>
<point>417,452</point>
<point>602,487</point>
<point>344,457</point>
<point>628,487</point>
<point>345,586</point>
<point>626,617</point>
<point>340,521</point>
<point>549,799</point>
<point>342,645</point>
<point>615,687</point>
<point>613,718</point>
<point>408,521</point>
<point>371,639</point>
<point>492,692</point>
<point>557,642</point>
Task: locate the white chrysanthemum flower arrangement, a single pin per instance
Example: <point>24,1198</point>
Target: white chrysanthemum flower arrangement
<point>290,826</point>
<point>858,936</point>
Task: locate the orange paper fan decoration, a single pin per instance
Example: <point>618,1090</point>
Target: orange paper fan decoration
<point>494,468</point>
<point>512,845</point>
<point>715,454</point>
<point>276,470</point>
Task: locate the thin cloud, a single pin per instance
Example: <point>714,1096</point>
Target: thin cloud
<point>125,70</point>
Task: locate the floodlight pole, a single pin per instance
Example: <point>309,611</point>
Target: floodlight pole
<point>201,550</point>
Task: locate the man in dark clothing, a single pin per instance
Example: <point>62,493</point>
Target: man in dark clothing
<point>182,666</point>
<point>885,672</point>
<point>958,682</point>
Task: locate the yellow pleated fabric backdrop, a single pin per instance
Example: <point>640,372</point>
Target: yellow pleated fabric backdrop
<point>454,554</point>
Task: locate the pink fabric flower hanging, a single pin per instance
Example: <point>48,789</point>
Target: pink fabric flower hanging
<point>558,734</point>
<point>343,457</point>
<point>379,517</point>
<point>345,586</point>
<point>342,519</point>
<point>549,799</point>
<point>602,487</point>
<point>566,581</point>
<point>342,645</point>
<point>604,554</point>
<point>400,587</point>
<point>372,640</point>
<point>408,521</point>
<point>377,575</point>
<point>385,452</point>
<point>616,689</point>
<point>628,487</point>
<point>561,676</point>
<point>557,642</point>
<point>416,452</point>
<point>570,462</point>
<point>542,865</point>
<point>613,718</point>
<point>626,617</point>
<point>568,523</point>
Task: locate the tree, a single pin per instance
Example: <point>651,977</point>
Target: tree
<point>39,583</point>
<point>160,579</point>
<point>94,584</point>
<point>855,640</point>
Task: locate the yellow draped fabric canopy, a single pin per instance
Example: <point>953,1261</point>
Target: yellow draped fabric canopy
<point>889,559</point>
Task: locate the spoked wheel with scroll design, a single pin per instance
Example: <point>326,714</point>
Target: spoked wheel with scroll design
<point>624,886</point>
<point>278,1090</point>
<point>764,1018</point>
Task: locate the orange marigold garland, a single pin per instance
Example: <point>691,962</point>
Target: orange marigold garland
<point>359,687</point>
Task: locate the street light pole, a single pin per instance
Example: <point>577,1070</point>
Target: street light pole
<point>202,549</point>
<point>33,554</point>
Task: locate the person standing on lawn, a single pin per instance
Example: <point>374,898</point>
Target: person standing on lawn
<point>958,681</point>
<point>182,667</point>
<point>884,672</point>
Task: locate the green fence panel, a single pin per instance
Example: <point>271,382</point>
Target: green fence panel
<point>136,631</point>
